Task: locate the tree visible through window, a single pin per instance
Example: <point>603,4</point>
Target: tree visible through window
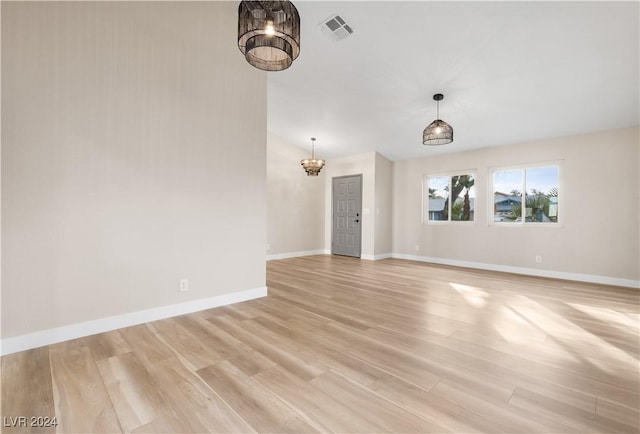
<point>450,198</point>
<point>537,187</point>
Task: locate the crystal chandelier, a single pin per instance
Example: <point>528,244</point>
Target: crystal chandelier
<point>312,166</point>
<point>438,132</point>
<point>269,33</point>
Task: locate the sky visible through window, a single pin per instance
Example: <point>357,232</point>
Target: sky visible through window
<point>542,179</point>
<point>440,183</point>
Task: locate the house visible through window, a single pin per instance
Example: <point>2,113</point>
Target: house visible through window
<point>536,187</point>
<point>450,198</point>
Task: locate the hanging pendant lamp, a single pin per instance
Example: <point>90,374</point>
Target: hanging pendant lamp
<point>312,166</point>
<point>269,33</point>
<point>438,132</point>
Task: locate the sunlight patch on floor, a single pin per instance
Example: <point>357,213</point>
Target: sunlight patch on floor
<point>476,297</point>
<point>608,316</point>
<point>569,333</point>
<point>513,328</point>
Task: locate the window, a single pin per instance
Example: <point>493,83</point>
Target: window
<point>450,198</point>
<point>537,186</point>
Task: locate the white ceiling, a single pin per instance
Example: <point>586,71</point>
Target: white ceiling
<point>511,72</point>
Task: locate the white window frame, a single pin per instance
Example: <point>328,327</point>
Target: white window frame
<point>425,197</point>
<point>490,196</point>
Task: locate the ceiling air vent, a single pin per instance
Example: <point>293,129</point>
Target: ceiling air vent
<point>336,28</point>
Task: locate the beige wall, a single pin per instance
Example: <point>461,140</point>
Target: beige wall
<point>133,155</point>
<point>384,206</point>
<point>600,189</point>
<point>295,201</point>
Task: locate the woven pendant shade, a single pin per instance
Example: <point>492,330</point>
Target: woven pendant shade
<point>438,132</point>
<point>269,33</point>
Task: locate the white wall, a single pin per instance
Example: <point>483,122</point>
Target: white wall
<point>133,155</point>
<point>295,202</point>
<point>600,235</point>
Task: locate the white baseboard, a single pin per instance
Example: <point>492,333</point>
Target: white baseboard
<point>590,278</point>
<point>297,254</point>
<point>73,331</point>
<point>376,257</point>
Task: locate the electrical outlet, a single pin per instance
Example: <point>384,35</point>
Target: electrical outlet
<point>268,247</point>
<point>184,285</point>
<point>417,247</point>
<point>538,259</point>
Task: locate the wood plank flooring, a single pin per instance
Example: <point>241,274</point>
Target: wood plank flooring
<point>350,346</point>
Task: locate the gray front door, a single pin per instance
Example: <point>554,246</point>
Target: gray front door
<point>347,215</point>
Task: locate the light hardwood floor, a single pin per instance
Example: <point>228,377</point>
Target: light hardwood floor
<point>343,345</point>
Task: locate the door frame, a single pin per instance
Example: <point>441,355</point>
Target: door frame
<point>360,222</point>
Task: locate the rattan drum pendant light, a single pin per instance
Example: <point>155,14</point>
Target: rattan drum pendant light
<point>438,132</point>
<point>269,33</point>
<point>312,166</point>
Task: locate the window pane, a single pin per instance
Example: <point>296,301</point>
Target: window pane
<point>463,197</point>
<point>507,196</point>
<point>438,195</point>
<point>541,190</point>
